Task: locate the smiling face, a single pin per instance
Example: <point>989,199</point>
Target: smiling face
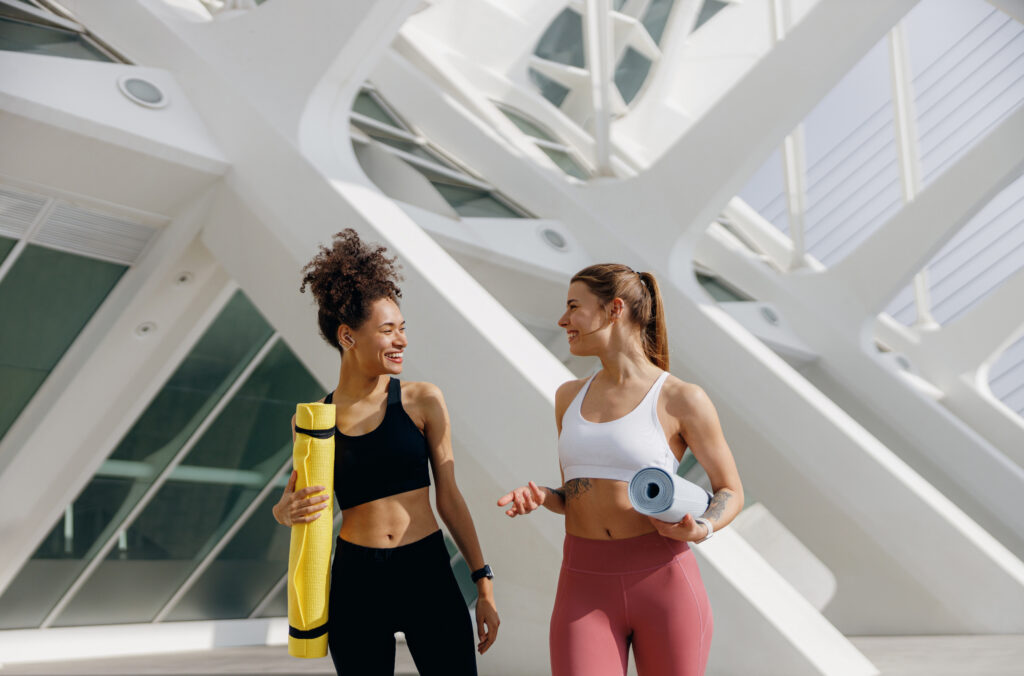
<point>584,320</point>
<point>378,345</point>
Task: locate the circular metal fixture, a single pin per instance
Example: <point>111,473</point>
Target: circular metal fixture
<point>142,92</point>
<point>770,316</point>
<point>183,278</point>
<point>145,329</point>
<point>554,239</point>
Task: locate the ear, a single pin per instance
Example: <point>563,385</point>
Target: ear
<point>616,307</point>
<point>344,336</point>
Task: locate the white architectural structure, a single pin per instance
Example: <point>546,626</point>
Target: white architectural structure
<point>805,177</point>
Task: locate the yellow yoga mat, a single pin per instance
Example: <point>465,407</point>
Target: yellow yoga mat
<point>309,560</point>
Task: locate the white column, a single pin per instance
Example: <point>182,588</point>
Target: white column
<point>598,41</point>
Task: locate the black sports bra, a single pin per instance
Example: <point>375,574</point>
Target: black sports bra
<point>391,459</point>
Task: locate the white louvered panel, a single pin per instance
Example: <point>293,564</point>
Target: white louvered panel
<point>1006,377</point>
<point>17,211</point>
<point>88,233</point>
<point>988,250</point>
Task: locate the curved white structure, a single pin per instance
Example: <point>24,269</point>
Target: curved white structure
<point>427,127</point>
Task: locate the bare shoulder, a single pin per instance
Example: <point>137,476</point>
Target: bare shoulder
<point>685,400</point>
<point>421,395</point>
<point>567,391</point>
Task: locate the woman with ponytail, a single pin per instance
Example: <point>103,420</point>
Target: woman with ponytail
<point>628,579</point>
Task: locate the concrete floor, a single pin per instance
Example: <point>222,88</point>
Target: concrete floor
<point>893,655</point>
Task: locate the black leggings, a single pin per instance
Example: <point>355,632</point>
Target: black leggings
<point>376,592</point>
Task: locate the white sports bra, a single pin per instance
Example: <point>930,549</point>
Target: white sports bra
<point>616,449</point>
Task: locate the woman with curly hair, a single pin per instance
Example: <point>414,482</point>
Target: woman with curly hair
<point>391,568</point>
<point>628,579</point>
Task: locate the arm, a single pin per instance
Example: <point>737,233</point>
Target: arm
<point>702,431</point>
<point>299,506</point>
<point>452,509</point>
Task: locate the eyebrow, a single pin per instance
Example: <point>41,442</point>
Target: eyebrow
<point>381,326</point>
<point>571,300</point>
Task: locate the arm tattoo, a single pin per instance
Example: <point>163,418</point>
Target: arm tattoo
<point>717,506</point>
<point>576,487</point>
<point>560,492</point>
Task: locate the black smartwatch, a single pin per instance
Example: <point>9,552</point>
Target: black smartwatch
<point>482,573</point>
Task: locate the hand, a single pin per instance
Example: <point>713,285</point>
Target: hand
<point>297,506</point>
<point>525,499</point>
<point>686,530</point>
<point>486,623</point>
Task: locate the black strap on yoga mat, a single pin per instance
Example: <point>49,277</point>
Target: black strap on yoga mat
<point>316,434</point>
<point>308,633</point>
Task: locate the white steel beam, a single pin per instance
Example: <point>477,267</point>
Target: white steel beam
<point>598,42</point>
<point>699,173</point>
<point>875,271</point>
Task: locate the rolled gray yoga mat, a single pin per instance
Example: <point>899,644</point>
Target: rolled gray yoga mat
<point>666,497</point>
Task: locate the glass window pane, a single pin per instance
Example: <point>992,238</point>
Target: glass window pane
<point>243,572</point>
<point>549,89</point>
<point>565,162</point>
<point>16,36</point>
<point>631,73</point>
<point>526,126</point>
<point>411,148</point>
<point>656,18</point>
<point>219,478</point>
<point>366,104</point>
<point>5,247</point>
<point>719,291</point>
<point>278,606</point>
<point>710,8</point>
<point>473,203</point>
<point>49,296</point>
<point>562,42</point>
<point>177,410</point>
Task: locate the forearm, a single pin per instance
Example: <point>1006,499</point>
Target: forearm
<point>456,517</point>
<point>726,503</point>
<point>554,499</point>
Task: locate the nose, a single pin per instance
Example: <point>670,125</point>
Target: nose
<point>563,321</point>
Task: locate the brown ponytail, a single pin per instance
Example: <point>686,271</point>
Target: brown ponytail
<point>639,291</point>
<point>655,333</point>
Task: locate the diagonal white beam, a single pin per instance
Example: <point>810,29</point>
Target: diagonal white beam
<point>886,261</point>
<point>980,333</point>
<point>709,164</point>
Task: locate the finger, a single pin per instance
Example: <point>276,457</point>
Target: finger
<point>538,495</point>
<point>520,504</point>
<point>315,500</point>
<point>505,499</point>
<point>291,481</point>
<point>308,490</point>
<point>511,512</point>
<point>306,519</point>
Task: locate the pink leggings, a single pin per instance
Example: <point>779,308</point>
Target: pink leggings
<point>645,592</point>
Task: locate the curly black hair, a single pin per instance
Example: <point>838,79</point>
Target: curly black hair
<point>346,278</point>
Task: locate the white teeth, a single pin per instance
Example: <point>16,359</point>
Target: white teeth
<point>393,355</point>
